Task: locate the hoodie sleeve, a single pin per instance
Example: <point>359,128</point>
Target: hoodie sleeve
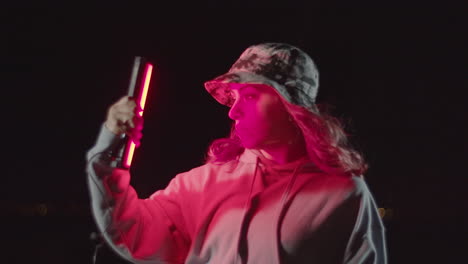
<point>367,241</point>
<point>140,230</point>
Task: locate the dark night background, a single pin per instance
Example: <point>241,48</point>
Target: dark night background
<point>395,75</point>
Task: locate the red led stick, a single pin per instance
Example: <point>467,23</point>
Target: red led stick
<point>139,85</point>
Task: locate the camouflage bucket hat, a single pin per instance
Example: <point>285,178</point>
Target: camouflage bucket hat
<point>284,67</point>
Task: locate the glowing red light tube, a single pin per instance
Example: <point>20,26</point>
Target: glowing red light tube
<point>141,78</point>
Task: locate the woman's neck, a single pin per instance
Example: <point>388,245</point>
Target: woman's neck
<point>284,153</point>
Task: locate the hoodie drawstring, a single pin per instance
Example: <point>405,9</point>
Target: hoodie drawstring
<point>244,217</point>
<point>282,210</point>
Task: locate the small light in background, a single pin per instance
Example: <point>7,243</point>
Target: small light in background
<point>41,209</point>
<point>382,212</point>
<point>386,213</point>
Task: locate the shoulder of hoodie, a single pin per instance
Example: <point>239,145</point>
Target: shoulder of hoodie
<point>201,176</point>
<point>335,192</point>
<point>340,187</point>
<point>354,184</point>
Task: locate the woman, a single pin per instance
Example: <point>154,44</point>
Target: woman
<point>283,188</point>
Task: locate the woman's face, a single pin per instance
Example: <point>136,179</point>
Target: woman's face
<point>260,117</point>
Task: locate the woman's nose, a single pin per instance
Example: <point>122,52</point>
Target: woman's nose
<point>235,112</point>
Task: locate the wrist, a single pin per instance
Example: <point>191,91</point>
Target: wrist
<point>112,128</point>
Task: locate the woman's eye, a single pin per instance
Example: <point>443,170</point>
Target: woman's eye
<point>249,96</point>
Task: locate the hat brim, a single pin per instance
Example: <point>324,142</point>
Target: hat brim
<point>220,87</point>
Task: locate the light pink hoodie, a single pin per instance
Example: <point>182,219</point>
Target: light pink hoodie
<point>245,211</point>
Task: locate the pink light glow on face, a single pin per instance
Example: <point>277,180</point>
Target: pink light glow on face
<point>260,117</point>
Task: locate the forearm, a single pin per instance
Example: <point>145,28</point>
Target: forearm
<point>118,212</point>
